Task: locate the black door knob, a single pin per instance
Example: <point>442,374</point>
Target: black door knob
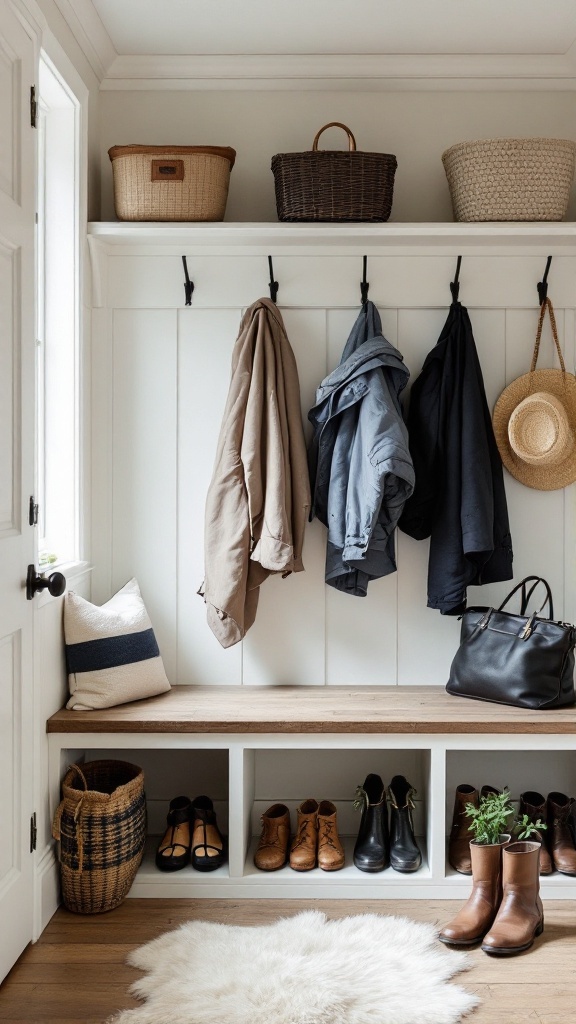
<point>35,581</point>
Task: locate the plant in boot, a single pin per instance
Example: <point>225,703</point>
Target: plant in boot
<point>490,819</point>
<point>524,827</point>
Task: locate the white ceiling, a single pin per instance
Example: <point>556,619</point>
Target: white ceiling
<point>339,26</point>
<point>327,43</point>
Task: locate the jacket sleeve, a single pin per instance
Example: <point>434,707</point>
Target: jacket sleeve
<point>424,425</point>
<point>227,526</point>
<point>381,475</point>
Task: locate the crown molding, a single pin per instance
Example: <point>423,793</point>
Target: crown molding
<point>86,27</point>
<point>342,71</point>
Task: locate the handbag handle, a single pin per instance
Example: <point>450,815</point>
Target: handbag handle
<point>526,595</point>
<point>335,124</point>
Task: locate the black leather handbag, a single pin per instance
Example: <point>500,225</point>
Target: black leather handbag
<point>523,660</point>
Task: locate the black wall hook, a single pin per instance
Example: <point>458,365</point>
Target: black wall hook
<point>188,284</point>
<point>364,286</point>
<point>455,284</point>
<point>543,284</point>
<point>273,284</point>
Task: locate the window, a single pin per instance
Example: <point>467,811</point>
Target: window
<point>58,319</point>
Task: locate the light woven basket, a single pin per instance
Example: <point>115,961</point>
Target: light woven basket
<point>101,828</point>
<point>171,183</point>
<point>510,179</point>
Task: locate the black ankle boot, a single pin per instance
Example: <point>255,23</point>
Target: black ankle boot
<point>372,849</point>
<point>404,853</point>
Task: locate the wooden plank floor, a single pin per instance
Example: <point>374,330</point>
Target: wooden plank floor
<point>76,972</point>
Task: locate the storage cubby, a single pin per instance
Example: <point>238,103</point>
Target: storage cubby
<point>521,769</point>
<point>290,776</point>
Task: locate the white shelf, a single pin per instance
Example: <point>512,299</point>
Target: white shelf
<point>280,236</point>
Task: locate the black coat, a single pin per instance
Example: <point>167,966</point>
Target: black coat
<point>459,499</point>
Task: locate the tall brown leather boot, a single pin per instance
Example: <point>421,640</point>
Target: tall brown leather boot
<point>330,849</point>
<point>460,834</point>
<point>272,851</point>
<point>520,916</point>
<point>305,842</point>
<point>559,837</point>
<point>534,805</point>
<point>473,921</point>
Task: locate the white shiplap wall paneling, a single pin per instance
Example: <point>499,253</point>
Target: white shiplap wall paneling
<point>144,483</point>
<point>205,342</point>
<point>160,379</point>
<point>329,281</point>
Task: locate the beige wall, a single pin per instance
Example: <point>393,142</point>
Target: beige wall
<point>416,126</point>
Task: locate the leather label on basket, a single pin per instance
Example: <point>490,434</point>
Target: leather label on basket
<point>167,170</point>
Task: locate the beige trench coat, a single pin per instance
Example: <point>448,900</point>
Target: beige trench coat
<point>259,497</point>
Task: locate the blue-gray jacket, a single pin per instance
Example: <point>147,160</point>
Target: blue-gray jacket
<point>361,471</point>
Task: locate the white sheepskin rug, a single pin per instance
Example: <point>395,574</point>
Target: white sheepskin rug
<point>306,969</point>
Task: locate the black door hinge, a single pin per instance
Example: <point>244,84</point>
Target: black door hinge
<point>33,512</point>
<point>33,106</point>
<point>33,833</point>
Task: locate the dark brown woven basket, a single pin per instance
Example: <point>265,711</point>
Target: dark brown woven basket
<point>101,827</point>
<point>332,184</point>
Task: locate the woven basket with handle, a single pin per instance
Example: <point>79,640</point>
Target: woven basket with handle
<point>167,183</point>
<point>510,179</point>
<point>101,828</point>
<point>334,185</point>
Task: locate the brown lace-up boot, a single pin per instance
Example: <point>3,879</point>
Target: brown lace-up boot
<point>520,916</point>
<point>330,850</point>
<point>473,921</point>
<point>558,836</point>
<point>305,842</point>
<point>460,834</point>
<point>272,851</point>
<point>534,805</point>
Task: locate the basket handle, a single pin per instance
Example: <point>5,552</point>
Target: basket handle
<point>335,124</point>
<point>57,823</point>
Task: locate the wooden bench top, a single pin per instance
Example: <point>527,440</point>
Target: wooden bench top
<point>312,709</point>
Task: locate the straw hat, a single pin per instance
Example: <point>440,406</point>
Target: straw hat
<point>535,423</point>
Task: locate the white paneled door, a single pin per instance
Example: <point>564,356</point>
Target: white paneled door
<point>17,207</point>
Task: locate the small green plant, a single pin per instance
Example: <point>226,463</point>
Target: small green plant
<point>490,820</point>
<point>524,827</point>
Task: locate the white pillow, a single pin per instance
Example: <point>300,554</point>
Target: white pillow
<point>111,652</point>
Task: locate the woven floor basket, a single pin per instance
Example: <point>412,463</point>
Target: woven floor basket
<point>334,185</point>
<point>101,827</point>
<point>510,179</point>
<point>171,183</point>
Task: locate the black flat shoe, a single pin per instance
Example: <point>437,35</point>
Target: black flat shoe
<point>372,849</point>
<point>209,847</point>
<point>173,852</point>
<point>404,852</point>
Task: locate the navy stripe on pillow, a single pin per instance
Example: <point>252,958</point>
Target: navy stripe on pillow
<point>111,651</point>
